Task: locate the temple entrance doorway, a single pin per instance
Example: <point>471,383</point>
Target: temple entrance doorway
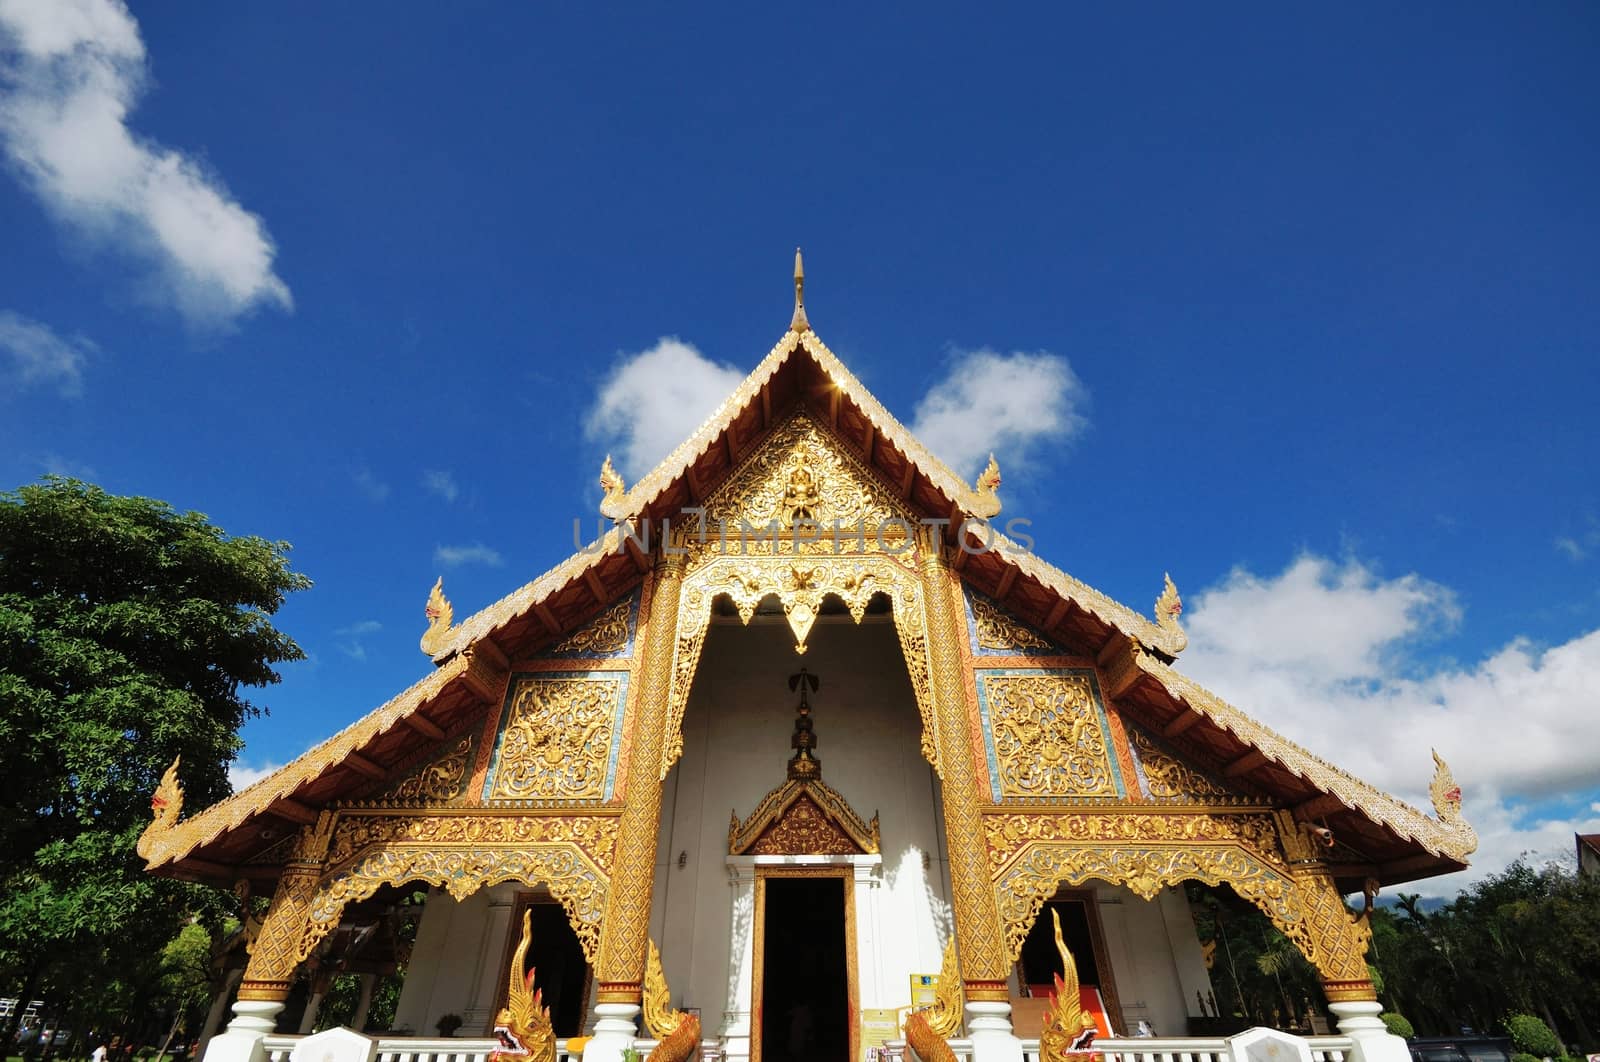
<point>804,986</point>
<point>1040,962</point>
<point>560,971</point>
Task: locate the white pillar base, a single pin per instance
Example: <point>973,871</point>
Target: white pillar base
<point>614,1032</point>
<point>989,1027</point>
<point>1373,1041</point>
<point>253,1020</point>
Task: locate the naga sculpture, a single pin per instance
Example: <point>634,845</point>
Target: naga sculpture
<point>611,482</point>
<point>440,618</point>
<point>1446,796</point>
<point>166,807</point>
<point>677,1033</point>
<point>928,1030</point>
<point>1068,1029</point>
<point>523,1024</point>
<point>986,491</point>
<point>1169,606</point>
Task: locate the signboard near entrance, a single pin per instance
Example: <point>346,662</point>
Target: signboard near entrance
<point>924,990</point>
<point>878,1027</point>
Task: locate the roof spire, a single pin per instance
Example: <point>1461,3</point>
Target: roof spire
<point>799,323</point>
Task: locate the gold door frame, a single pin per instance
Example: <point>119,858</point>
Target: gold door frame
<point>845,873</point>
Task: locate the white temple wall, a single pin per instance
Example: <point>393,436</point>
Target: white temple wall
<point>456,961</point>
<point>737,727</point>
<point>1140,938</point>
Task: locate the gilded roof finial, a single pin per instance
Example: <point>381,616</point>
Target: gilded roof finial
<point>799,323</point>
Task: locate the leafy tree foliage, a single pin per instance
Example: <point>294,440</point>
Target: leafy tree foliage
<point>127,632</point>
<point>1525,941</point>
<point>1532,1035</point>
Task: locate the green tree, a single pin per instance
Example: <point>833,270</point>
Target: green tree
<point>127,632</point>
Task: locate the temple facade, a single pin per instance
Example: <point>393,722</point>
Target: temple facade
<point>808,723</point>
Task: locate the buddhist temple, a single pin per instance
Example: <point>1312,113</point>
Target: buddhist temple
<point>806,736</point>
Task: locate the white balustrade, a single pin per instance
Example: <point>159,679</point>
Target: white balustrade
<point>1160,1049</point>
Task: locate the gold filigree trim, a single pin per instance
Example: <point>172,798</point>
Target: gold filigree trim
<point>360,833</point>
<point>572,877</point>
<point>803,818</point>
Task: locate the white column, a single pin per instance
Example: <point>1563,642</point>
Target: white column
<point>253,1020</point>
<point>989,1026</point>
<point>869,972</point>
<point>308,1018</point>
<point>1373,1040</point>
<point>219,1007</point>
<point>735,1029</point>
<point>614,1032</point>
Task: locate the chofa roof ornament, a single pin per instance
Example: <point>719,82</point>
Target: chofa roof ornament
<point>613,504</point>
<point>1169,606</point>
<point>440,618</point>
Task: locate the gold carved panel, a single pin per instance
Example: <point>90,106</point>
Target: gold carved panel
<point>1047,734</point>
<point>993,631</point>
<point>1166,777</point>
<point>804,830</point>
<point>438,781</point>
<point>558,740</point>
<point>609,634</point>
<point>801,474</point>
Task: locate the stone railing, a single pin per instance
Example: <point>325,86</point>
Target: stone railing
<point>419,1049</point>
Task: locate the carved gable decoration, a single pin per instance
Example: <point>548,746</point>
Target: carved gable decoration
<point>803,818</point>
<point>1046,734</point>
<point>801,474</point>
<point>992,631</point>
<point>1167,777</point>
<point>608,635</point>
<point>440,778</point>
<point>559,737</point>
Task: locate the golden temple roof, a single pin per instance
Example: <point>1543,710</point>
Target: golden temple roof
<point>801,370</point>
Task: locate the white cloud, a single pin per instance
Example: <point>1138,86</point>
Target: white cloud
<point>477,553</point>
<point>39,356</point>
<point>359,628</point>
<point>57,465</point>
<point>441,483</point>
<point>71,72</point>
<point>243,776</point>
<point>1326,653</point>
<point>653,400</point>
<point>999,403</point>
<point>368,484</point>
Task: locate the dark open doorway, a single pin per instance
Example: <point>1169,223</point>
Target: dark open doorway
<point>560,971</point>
<point>805,997</point>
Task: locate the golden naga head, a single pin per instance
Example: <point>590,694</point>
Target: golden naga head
<point>1067,1026</point>
<point>677,1032</point>
<point>440,619</point>
<point>166,807</point>
<point>611,482</point>
<point>985,501</point>
<point>1169,606</point>
<point>523,1024</point>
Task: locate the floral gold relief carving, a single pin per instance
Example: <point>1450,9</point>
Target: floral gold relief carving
<point>1048,736</point>
<point>995,630</point>
<point>358,834</point>
<point>608,634</point>
<point>440,780</point>
<point>556,744</point>
<point>1168,778</point>
<point>804,830</point>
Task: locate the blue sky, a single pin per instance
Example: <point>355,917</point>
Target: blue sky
<point>1298,305</point>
